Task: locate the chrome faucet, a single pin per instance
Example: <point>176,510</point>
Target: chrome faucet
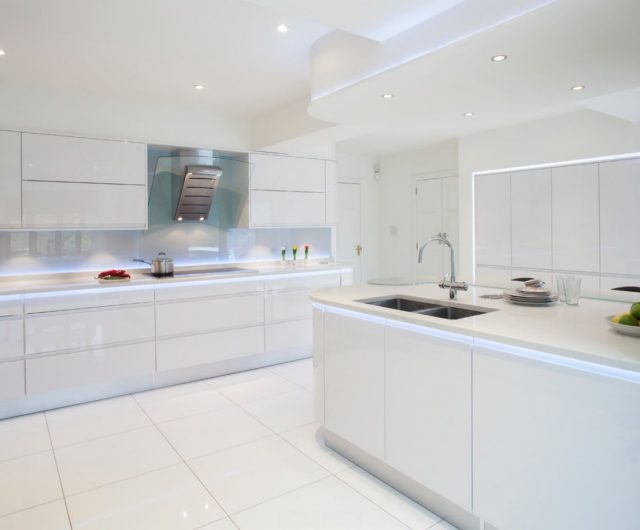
<point>452,284</point>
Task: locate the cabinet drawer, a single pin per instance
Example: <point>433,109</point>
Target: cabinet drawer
<point>309,281</point>
<point>205,289</point>
<point>283,208</point>
<point>208,348</point>
<point>81,205</point>
<point>57,372</point>
<point>65,331</point>
<point>12,380</point>
<point>68,159</point>
<point>289,305</point>
<point>289,335</point>
<point>11,338</point>
<point>287,173</point>
<point>198,316</point>
<point>10,305</point>
<point>60,301</point>
<point>10,180</point>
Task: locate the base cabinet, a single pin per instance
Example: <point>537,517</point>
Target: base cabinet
<point>554,447</point>
<point>428,411</point>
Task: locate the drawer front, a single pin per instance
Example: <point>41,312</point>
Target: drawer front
<point>10,305</point>
<point>95,328</point>
<point>287,305</point>
<point>107,296</point>
<point>209,348</point>
<point>199,316</point>
<point>309,281</point>
<point>11,338</point>
<point>68,159</point>
<point>205,289</point>
<point>101,365</point>
<point>289,335</point>
<point>12,380</point>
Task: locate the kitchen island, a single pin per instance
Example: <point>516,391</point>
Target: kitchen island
<point>521,418</point>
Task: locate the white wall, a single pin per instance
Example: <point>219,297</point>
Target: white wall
<point>357,168</point>
<point>396,201</point>
<point>575,136</point>
<point>59,112</point>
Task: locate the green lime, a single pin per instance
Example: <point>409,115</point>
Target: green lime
<point>628,320</point>
<point>635,310</point>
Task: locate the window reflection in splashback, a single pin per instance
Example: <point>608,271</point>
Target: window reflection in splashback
<point>188,244</point>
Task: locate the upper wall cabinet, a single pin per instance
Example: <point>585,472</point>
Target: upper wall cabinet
<point>287,173</point>
<point>493,219</point>
<point>10,193</point>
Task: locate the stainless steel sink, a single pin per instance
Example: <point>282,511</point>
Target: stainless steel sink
<point>431,308</point>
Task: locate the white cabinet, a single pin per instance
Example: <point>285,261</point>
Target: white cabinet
<point>69,300</point>
<point>493,219</point>
<point>287,208</point>
<point>305,281</point>
<point>11,337</point>
<point>354,380</point>
<point>287,173</point>
<point>318,363</point>
<point>331,172</point>
<point>200,289</point>
<point>531,219</point>
<point>50,157</point>
<point>286,305</point>
<point>10,183</point>
<point>575,203</point>
<point>428,411</point>
<point>12,380</point>
<point>619,199</point>
<point>295,335</point>
<point>554,447</point>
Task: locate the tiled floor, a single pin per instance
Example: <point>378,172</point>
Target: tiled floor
<point>234,452</point>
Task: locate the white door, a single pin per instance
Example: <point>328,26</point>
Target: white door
<point>349,242</point>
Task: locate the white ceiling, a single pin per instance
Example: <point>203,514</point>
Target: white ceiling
<point>156,50</point>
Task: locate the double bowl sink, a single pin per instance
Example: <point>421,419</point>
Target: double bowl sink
<point>431,308</point>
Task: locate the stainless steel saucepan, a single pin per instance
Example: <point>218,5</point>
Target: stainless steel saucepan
<point>162,265</point>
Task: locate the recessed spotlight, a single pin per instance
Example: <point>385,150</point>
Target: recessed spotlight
<point>198,87</point>
<point>387,96</point>
<point>202,218</point>
<point>179,218</point>
<point>2,52</point>
<point>282,28</point>
<point>499,58</point>
<point>468,114</point>
<point>577,88</point>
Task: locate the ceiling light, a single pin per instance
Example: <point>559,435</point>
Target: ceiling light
<point>577,88</point>
<point>198,87</point>
<point>282,28</point>
<point>179,218</point>
<point>499,58</point>
<point>387,96</point>
<point>468,114</point>
<point>202,218</point>
<point>2,52</point>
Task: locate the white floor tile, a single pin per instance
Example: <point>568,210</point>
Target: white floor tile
<point>206,433</point>
<point>249,474</point>
<point>52,516</point>
<point>326,505</point>
<point>410,513</point>
<point>225,524</point>
<point>91,464</point>
<point>298,372</point>
<point>168,499</point>
<point>284,411</point>
<point>23,435</point>
<point>309,440</point>
<point>79,423</point>
<point>261,387</point>
<point>166,404</point>
<point>28,481</point>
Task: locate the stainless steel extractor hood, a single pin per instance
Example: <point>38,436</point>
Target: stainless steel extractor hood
<point>198,189</point>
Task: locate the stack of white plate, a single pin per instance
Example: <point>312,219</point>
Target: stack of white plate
<point>531,294</point>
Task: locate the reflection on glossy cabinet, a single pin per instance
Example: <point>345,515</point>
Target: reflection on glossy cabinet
<point>554,447</point>
<point>287,305</point>
<point>354,380</point>
<point>287,208</point>
<point>493,219</point>
<point>428,411</point>
<point>10,183</point>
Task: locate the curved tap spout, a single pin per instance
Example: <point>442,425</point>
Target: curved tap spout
<point>452,284</point>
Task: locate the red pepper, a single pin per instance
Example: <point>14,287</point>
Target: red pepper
<point>114,273</point>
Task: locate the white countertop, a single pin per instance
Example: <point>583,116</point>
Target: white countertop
<point>17,285</point>
<point>579,332</point>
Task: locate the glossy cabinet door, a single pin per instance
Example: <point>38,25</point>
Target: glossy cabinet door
<point>11,337</point>
<point>576,228</point>
<point>294,335</point>
<point>12,380</point>
<point>10,180</point>
<point>287,208</point>
<point>493,219</point>
<point>428,411</point>
<point>106,296</point>
<point>619,199</point>
<point>304,281</point>
<point>49,157</point>
<point>80,205</point>
<point>318,364</point>
<point>292,305</point>
<point>331,172</point>
<point>354,380</point>
<point>531,219</point>
<point>287,173</point>
<point>201,289</point>
<point>554,447</point>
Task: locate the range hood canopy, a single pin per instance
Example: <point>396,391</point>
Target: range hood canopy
<point>198,189</point>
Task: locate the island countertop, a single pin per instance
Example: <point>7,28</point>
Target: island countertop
<point>578,332</point>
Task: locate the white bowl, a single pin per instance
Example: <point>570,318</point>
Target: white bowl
<point>632,331</point>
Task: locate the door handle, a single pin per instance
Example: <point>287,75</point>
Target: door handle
<point>358,249</point>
